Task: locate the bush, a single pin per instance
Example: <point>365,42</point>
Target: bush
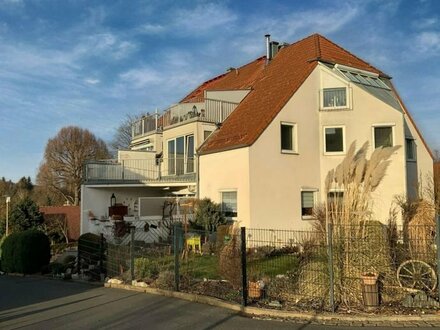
<point>208,215</point>
<point>26,252</point>
<point>230,260</point>
<point>145,268</point>
<point>89,248</point>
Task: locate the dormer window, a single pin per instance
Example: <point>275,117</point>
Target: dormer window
<point>334,98</point>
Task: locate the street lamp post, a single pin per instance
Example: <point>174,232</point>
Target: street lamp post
<point>8,200</point>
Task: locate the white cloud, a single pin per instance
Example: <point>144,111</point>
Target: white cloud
<point>150,29</point>
<point>428,43</point>
<point>142,77</point>
<point>92,81</point>
<point>425,23</point>
<point>107,44</point>
<point>202,19</point>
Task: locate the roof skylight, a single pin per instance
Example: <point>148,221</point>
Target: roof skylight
<point>363,77</point>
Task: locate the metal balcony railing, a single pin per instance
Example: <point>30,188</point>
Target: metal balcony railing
<point>201,109</point>
<point>177,169</point>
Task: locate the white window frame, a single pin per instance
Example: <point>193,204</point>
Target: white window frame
<point>334,153</point>
<point>347,99</point>
<point>414,149</point>
<point>315,202</point>
<point>221,201</point>
<point>294,137</point>
<point>392,125</point>
<point>185,154</point>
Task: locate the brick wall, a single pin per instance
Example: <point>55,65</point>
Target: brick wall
<point>72,214</point>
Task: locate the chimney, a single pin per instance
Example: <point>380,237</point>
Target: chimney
<point>268,53</point>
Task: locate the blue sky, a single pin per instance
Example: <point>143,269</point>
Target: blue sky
<point>89,63</point>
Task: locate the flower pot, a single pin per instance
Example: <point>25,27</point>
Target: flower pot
<point>254,290</point>
<point>369,278</point>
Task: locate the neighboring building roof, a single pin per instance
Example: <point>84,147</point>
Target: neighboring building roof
<point>272,86</point>
<point>237,78</point>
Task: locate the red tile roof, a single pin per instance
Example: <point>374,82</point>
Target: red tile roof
<point>272,86</point>
<point>240,78</point>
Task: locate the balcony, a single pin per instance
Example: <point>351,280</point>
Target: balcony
<point>206,110</point>
<point>172,170</point>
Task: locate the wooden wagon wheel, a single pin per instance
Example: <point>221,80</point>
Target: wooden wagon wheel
<point>417,274</point>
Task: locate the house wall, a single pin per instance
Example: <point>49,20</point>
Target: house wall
<point>367,111</point>
<point>97,201</point>
<point>276,179</point>
<point>230,96</point>
<point>420,171</point>
<point>72,216</point>
<point>154,140</point>
<point>225,171</point>
<point>136,155</point>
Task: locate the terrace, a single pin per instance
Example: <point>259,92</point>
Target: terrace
<point>163,170</point>
<point>202,109</point>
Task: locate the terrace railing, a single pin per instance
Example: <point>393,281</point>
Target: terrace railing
<point>202,109</point>
<point>178,169</point>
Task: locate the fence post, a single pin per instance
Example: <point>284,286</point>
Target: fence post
<point>176,256</point>
<point>437,237</point>
<point>101,256</point>
<point>132,231</point>
<point>330,265</point>
<point>78,262</point>
<point>243,266</point>
<point>123,170</point>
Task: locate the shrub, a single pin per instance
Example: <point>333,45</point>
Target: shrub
<point>26,252</point>
<point>230,260</point>
<point>208,215</point>
<point>145,268</point>
<point>56,268</point>
<point>89,246</point>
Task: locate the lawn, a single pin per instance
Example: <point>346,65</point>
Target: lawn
<point>199,267</point>
<point>272,266</point>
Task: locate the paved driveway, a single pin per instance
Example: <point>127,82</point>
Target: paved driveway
<point>36,303</point>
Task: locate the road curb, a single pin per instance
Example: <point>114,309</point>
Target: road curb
<point>371,319</point>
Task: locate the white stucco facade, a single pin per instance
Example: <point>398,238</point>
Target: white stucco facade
<point>269,182</point>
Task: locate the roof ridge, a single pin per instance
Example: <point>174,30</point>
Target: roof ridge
<point>317,45</point>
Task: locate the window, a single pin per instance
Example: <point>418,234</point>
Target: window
<point>171,157</point>
<point>206,134</point>
<point>363,77</point>
<point>334,139</point>
<point>334,98</point>
<point>229,203</point>
<point>181,155</point>
<point>335,197</point>
<point>307,203</point>
<point>189,153</point>
<point>288,137</point>
<point>383,136</point>
<point>410,149</point>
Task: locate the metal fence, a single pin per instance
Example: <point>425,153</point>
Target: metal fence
<point>355,266</point>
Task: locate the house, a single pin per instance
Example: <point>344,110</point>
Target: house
<point>66,217</point>
<point>261,138</point>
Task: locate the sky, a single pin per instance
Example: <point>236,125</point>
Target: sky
<point>90,63</point>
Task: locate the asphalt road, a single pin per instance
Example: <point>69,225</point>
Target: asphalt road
<point>36,303</point>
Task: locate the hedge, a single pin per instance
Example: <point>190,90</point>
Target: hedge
<point>25,252</point>
<point>89,248</point>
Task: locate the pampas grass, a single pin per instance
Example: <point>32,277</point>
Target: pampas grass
<point>357,177</point>
<point>354,232</point>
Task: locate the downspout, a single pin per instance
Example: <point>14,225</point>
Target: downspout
<point>198,178</point>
